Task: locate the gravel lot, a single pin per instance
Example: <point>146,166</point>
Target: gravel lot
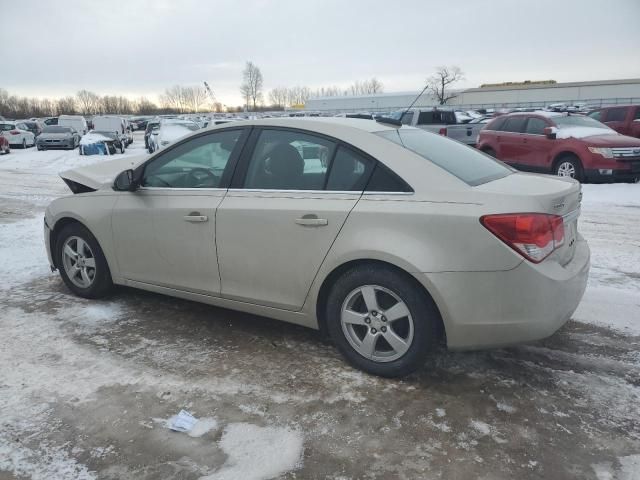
<point>86,387</point>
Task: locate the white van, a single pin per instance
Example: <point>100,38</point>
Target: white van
<point>77,122</point>
<point>113,123</point>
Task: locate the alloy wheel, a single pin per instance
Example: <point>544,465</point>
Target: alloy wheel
<point>377,323</point>
<point>79,262</point>
<point>567,169</point>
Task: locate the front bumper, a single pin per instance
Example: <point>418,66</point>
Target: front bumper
<point>52,145</point>
<point>603,175</point>
<point>492,309</point>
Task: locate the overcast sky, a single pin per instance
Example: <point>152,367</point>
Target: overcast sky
<point>139,47</point>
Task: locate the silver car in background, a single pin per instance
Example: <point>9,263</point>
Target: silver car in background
<point>58,137</point>
<point>400,239</point>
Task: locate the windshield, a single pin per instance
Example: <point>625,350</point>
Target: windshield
<point>468,164</point>
<point>105,133</point>
<point>54,129</point>
<point>577,121</point>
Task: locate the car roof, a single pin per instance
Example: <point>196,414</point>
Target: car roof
<point>321,124</point>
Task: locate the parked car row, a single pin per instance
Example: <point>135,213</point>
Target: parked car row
<point>166,131</point>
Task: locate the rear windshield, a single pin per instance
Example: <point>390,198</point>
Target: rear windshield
<point>577,121</point>
<point>466,163</point>
<point>54,129</point>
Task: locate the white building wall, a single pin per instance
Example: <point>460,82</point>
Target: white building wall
<point>596,93</point>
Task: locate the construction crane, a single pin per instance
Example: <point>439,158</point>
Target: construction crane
<point>210,92</point>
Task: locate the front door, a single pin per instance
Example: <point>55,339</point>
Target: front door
<point>274,230</point>
<point>536,146</point>
<point>164,233</point>
<point>510,140</point>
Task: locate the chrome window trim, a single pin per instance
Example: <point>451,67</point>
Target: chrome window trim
<point>315,192</point>
<point>191,189</point>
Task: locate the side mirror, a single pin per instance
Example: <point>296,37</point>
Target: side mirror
<point>124,182</point>
<point>550,132</point>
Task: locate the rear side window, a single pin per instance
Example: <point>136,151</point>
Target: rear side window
<point>514,124</point>
<point>349,171</point>
<point>384,180</point>
<point>596,115</point>
<point>616,114</point>
<point>496,124</point>
<point>535,126</point>
<point>425,118</point>
<point>466,163</point>
<point>637,115</point>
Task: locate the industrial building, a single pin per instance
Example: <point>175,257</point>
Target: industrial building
<point>525,94</point>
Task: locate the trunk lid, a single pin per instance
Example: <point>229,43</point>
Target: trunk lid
<point>101,174</point>
<point>542,194</point>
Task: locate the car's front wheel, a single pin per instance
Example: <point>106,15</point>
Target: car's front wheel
<point>569,166</point>
<point>81,262</point>
<point>381,320</point>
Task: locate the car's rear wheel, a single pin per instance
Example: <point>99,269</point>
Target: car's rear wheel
<point>81,262</point>
<point>381,320</point>
<point>569,166</point>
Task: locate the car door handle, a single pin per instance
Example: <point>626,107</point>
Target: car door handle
<point>312,221</point>
<point>195,217</point>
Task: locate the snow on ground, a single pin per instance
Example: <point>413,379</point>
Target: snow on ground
<point>81,382</point>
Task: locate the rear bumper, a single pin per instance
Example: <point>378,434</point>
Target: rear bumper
<point>492,309</point>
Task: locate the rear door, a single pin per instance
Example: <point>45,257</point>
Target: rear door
<point>282,214</point>
<point>535,145</point>
<point>616,118</point>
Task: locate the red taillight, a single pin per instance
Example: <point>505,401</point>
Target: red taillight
<point>534,235</point>
<point>443,131</point>
<point>14,132</point>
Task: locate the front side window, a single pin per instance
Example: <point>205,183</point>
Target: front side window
<point>197,163</point>
<point>289,160</point>
<point>468,164</point>
<point>616,114</point>
<point>535,126</point>
<point>637,115</point>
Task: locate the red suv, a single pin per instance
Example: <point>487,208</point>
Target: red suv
<point>566,145</point>
<point>623,119</point>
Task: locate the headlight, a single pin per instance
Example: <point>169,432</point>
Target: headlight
<point>605,152</point>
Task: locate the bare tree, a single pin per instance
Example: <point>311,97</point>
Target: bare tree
<point>279,97</point>
<point>66,106</point>
<point>251,87</point>
<point>88,102</point>
<point>375,86</point>
<point>440,82</point>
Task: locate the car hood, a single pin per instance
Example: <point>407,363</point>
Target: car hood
<point>101,174</point>
<point>612,141</point>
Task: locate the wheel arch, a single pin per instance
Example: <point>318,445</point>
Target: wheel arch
<point>329,280</point>
<point>562,154</point>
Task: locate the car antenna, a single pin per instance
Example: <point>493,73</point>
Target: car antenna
<point>393,121</point>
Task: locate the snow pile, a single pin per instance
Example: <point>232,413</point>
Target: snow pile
<point>623,194</point>
<point>257,453</point>
<point>22,253</point>
<point>91,138</point>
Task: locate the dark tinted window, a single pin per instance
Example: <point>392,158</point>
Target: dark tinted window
<point>349,171</point>
<point>425,118</point>
<point>289,160</point>
<point>536,126</point>
<point>384,180</point>
<point>458,159</point>
<point>496,124</point>
<point>56,129</point>
<point>616,114</point>
<point>637,115</point>
<point>514,124</point>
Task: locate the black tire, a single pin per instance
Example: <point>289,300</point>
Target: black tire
<point>574,161</point>
<point>121,147</point>
<point>24,143</point>
<point>102,283</point>
<point>425,315</point>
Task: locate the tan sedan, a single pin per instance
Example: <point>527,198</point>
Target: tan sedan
<point>385,236</point>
